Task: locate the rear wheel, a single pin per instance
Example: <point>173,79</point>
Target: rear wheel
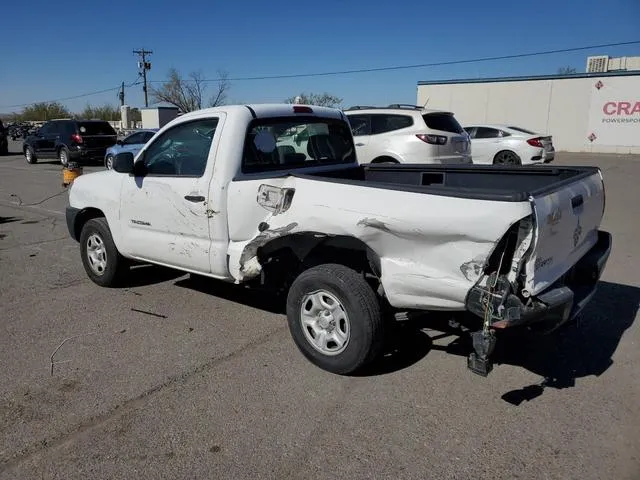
<point>63,156</point>
<point>335,318</point>
<point>30,155</point>
<point>100,257</point>
<point>506,157</point>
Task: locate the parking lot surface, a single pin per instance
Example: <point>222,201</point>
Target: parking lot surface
<point>175,378</point>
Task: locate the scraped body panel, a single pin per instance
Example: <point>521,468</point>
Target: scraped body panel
<point>431,247</point>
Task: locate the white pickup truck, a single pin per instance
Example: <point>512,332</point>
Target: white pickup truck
<point>234,194</point>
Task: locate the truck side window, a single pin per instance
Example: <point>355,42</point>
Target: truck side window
<point>183,150</point>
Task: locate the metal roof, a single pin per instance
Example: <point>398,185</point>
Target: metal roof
<point>530,78</point>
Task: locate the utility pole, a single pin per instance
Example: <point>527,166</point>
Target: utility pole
<point>121,95</point>
<point>144,66</point>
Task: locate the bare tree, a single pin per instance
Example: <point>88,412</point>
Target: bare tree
<point>188,94</point>
<point>320,99</point>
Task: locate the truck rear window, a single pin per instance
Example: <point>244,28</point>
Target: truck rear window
<point>442,121</point>
<point>95,128</point>
<point>284,143</point>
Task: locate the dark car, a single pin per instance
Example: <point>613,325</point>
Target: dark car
<point>80,141</point>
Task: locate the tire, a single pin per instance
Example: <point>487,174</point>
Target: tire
<point>359,321</point>
<point>100,257</point>
<point>63,156</point>
<point>506,157</point>
<point>108,162</point>
<point>30,155</point>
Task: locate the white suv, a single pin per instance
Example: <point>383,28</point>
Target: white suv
<point>408,134</point>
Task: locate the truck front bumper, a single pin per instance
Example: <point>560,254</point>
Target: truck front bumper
<point>561,302</point>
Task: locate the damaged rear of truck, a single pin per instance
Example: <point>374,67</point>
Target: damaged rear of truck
<point>275,195</point>
<point>513,247</point>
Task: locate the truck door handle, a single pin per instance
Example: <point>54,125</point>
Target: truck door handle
<point>194,198</point>
<point>577,201</point>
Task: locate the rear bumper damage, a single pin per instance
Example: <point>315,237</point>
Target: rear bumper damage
<point>561,302</point>
<point>556,305</point>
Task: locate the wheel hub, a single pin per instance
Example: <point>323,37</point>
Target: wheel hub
<point>325,322</point>
<point>96,254</point>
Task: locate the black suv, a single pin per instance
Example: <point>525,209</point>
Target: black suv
<point>78,141</point>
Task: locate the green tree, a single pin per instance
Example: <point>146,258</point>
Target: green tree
<point>320,99</point>
<point>43,111</point>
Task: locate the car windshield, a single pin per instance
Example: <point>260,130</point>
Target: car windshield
<point>95,128</point>
<point>518,129</point>
<point>273,144</point>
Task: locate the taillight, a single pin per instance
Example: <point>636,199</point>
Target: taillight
<point>535,142</point>
<point>76,138</point>
<point>432,139</point>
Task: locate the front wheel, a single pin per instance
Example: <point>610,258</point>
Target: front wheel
<point>100,257</point>
<point>30,155</point>
<point>108,162</point>
<point>335,318</point>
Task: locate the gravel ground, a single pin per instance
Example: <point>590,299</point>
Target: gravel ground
<point>171,378</point>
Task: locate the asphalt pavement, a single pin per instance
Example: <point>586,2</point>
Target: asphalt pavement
<point>175,378</point>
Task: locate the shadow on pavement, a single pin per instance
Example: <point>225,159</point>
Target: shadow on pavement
<point>579,349</point>
<point>142,275</point>
<point>252,297</point>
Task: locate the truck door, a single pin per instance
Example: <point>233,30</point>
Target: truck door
<point>164,211</point>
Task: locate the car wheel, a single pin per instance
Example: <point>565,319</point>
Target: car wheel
<point>335,318</point>
<point>63,156</point>
<point>506,157</point>
<point>108,162</point>
<point>100,257</point>
<point>30,155</point>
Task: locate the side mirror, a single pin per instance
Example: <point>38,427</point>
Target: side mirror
<point>123,162</point>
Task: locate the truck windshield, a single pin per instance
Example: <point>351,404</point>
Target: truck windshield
<point>277,143</point>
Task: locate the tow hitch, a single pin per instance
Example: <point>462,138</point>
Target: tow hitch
<point>479,361</point>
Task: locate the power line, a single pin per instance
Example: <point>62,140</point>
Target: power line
<point>418,65</point>
<point>345,72</point>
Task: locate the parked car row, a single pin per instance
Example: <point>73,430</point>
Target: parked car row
<point>413,134</point>
<point>396,133</point>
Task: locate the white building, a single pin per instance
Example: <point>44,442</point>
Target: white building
<point>585,112</point>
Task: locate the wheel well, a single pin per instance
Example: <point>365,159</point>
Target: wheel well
<point>83,217</point>
<point>286,257</point>
<point>384,159</point>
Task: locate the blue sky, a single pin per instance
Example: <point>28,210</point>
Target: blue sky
<point>80,47</point>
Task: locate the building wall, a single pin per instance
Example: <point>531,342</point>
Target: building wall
<point>570,109</point>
